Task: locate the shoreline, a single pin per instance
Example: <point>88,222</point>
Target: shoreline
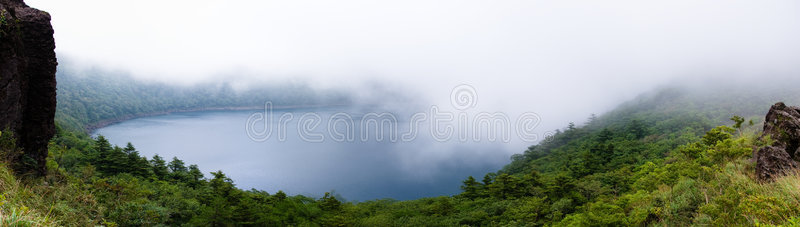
<point>90,128</point>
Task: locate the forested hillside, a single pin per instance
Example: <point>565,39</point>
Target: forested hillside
<point>95,96</point>
<point>664,158</point>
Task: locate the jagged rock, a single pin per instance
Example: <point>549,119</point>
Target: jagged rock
<point>773,162</point>
<point>27,81</point>
<point>782,126</point>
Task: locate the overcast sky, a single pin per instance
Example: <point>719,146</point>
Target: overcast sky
<point>561,59</point>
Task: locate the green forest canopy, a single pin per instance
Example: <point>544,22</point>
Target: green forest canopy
<point>662,158</point>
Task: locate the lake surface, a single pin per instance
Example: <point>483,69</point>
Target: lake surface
<point>356,169</point>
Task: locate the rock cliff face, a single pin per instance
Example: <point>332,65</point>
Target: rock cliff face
<point>782,126</point>
<point>27,81</point>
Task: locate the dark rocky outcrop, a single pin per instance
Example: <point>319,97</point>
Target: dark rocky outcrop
<point>782,127</point>
<point>772,162</point>
<point>27,81</point>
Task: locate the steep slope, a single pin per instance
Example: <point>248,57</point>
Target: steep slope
<point>27,81</point>
<point>663,115</point>
<point>95,97</point>
<point>659,159</point>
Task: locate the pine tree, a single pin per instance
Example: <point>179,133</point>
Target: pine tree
<point>504,186</point>
<point>101,148</point>
<point>116,161</point>
<point>177,165</point>
<point>129,148</point>
<point>109,160</point>
<point>195,176</point>
<point>136,164</point>
<point>488,178</point>
<point>159,167</point>
<point>470,188</point>
<point>178,170</point>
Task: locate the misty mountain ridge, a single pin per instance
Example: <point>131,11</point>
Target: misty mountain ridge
<point>95,97</point>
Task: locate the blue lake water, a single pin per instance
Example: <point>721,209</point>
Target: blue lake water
<point>356,169</point>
